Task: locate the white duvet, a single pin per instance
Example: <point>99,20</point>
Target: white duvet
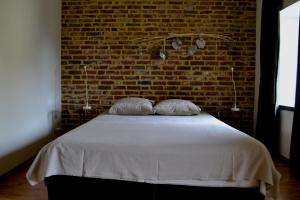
<point>191,150</point>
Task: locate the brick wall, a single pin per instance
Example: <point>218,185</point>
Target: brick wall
<point>101,35</point>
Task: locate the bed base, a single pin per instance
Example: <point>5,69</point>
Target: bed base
<point>70,187</point>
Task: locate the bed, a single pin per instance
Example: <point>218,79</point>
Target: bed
<point>155,157</point>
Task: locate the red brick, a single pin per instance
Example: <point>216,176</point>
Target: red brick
<point>101,34</point>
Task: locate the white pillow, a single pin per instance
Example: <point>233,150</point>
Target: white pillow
<point>176,107</point>
<point>132,106</point>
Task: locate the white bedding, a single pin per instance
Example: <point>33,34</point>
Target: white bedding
<point>190,150</point>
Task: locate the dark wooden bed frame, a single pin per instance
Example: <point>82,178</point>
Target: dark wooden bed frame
<point>71,187</point>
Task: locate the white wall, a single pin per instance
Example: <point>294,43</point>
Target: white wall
<point>286,3</point>
<point>285,132</point>
<point>29,77</point>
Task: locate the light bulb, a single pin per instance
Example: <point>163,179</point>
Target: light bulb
<point>200,42</point>
<point>176,44</point>
<point>162,55</point>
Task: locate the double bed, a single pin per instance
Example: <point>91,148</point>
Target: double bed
<point>155,157</point>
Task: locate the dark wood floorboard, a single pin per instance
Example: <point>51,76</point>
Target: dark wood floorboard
<point>289,185</point>
<point>14,186</point>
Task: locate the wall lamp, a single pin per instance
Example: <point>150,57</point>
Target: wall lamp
<point>86,106</point>
<point>177,43</point>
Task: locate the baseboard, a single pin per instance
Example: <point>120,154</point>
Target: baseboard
<point>14,159</point>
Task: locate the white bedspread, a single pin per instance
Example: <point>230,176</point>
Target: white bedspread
<point>158,149</point>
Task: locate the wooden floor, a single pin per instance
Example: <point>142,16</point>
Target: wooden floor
<point>14,186</point>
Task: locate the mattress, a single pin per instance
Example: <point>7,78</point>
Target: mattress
<point>197,150</point>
